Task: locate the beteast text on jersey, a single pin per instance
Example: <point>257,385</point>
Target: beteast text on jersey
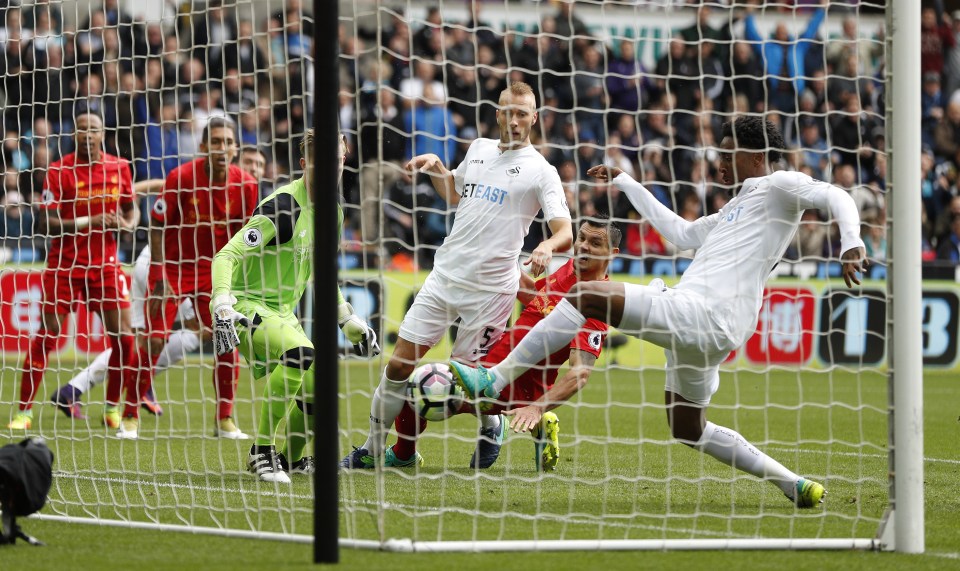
<point>487,192</point>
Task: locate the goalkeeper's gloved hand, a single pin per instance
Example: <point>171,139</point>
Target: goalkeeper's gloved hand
<point>225,318</point>
<point>363,337</point>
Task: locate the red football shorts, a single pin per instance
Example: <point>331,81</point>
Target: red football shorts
<point>160,324</point>
<point>105,288</point>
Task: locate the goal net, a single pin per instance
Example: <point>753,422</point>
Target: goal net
<point>644,86</point>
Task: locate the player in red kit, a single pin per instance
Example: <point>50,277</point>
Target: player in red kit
<point>88,196</point>
<point>538,390</point>
<point>203,204</point>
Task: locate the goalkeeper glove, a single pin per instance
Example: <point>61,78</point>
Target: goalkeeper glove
<point>357,331</point>
<point>225,318</point>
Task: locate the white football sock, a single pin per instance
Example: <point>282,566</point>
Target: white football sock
<point>729,447</point>
<point>180,343</point>
<point>553,333</point>
<point>490,421</point>
<point>93,375</point>
<point>388,401</point>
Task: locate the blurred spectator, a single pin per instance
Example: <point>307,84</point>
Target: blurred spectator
<point>431,127</point>
<point>949,248</point>
<point>615,156</point>
<point>675,73</point>
<point>590,96</point>
<point>16,229</point>
<point>853,43</point>
<point>747,73</point>
<point>874,235</point>
<point>425,40</point>
<point>931,105</point>
<point>947,134</point>
<point>783,58</point>
<point>213,31</point>
<point>625,79</point>
<point>246,57</point>
<point>382,150</point>
<point>935,38</point>
<point>415,218</point>
<point>162,138</point>
<point>811,237</point>
<point>44,8</point>
<point>814,150</point>
<point>412,89</point>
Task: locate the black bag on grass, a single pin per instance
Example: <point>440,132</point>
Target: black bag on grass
<point>26,472</point>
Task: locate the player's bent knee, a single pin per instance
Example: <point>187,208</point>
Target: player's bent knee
<point>399,369</point>
<point>297,358</point>
<point>306,407</point>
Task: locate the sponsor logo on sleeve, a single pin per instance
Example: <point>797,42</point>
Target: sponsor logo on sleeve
<point>46,197</point>
<point>160,207</point>
<point>595,339</point>
<point>252,237</point>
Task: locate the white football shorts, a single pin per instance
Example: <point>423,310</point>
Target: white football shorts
<point>439,303</point>
<point>694,340</point>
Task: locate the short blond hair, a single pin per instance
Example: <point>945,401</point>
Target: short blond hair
<point>306,143</point>
<point>519,89</point>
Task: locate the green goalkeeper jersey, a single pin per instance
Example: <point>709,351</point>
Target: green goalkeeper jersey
<point>270,260</point>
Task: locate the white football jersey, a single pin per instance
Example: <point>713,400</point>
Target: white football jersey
<point>738,247</point>
<point>500,194</point>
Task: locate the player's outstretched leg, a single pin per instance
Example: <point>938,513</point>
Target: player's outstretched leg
<point>489,443</point>
<point>729,447</point>
<point>67,397</point>
<point>546,442</point>
<point>476,382</point>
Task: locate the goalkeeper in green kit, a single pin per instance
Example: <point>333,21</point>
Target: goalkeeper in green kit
<point>258,280</point>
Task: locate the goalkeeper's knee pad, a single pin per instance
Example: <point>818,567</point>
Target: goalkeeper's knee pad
<point>297,358</point>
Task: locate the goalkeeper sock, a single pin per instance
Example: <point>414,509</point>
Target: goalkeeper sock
<point>388,401</point>
<point>555,332</point>
<point>34,366</point>
<point>282,385</point>
<point>225,382</point>
<point>296,433</point>
<point>729,447</point>
<point>124,356</point>
<point>93,375</point>
<point>180,343</point>
<point>409,427</point>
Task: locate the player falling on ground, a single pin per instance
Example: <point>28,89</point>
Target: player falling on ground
<point>88,196</point>
<point>498,189</point>
<point>714,308</point>
<point>180,343</point>
<point>203,203</point>
<point>259,278</point>
<point>597,241</point>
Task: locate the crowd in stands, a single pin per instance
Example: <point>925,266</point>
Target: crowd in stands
<point>155,84</point>
<point>431,86</point>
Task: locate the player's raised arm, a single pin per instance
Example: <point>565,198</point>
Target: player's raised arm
<point>682,233</point>
<point>560,241</point>
<point>528,417</point>
<point>440,176</point>
<point>805,192</point>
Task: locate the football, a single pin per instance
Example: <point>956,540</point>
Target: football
<point>434,395</point>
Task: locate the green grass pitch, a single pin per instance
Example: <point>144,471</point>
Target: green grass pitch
<point>619,477</point>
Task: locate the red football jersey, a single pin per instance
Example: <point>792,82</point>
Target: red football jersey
<point>198,219</point>
<point>550,291</point>
<point>77,190</point>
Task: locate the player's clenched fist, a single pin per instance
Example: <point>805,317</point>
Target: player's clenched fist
<point>361,335</point>
<point>603,172</point>
<point>225,318</point>
<point>429,163</point>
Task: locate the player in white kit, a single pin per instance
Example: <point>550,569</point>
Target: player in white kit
<point>181,342</point>
<point>713,309</point>
<point>498,190</point>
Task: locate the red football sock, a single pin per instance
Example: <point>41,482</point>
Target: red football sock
<point>225,383</point>
<point>34,366</point>
<point>409,426</point>
<point>123,355</point>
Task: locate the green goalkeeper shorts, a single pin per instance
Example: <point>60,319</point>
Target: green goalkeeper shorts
<point>269,336</point>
